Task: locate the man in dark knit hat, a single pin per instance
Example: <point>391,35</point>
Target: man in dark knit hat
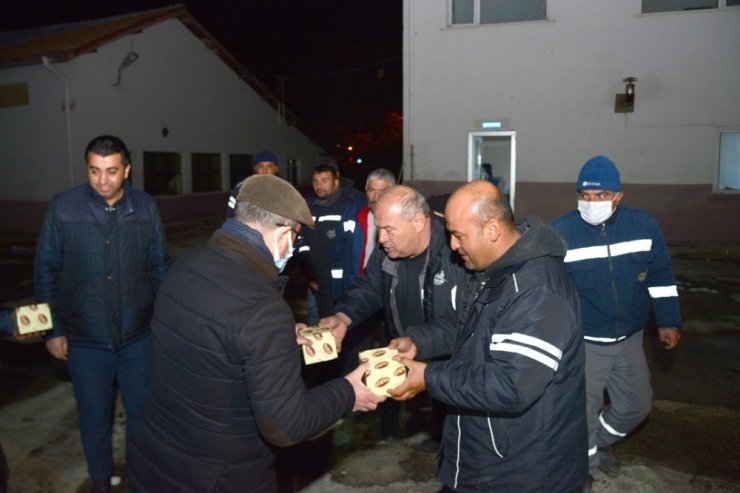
<point>226,374</point>
<point>621,266</point>
<point>263,163</point>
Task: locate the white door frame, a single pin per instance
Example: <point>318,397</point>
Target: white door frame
<point>474,157</point>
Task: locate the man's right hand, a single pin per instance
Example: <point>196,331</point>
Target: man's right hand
<point>405,346</point>
<point>58,347</point>
<point>364,399</point>
<point>338,323</point>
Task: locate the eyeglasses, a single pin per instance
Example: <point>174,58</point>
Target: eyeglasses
<point>297,238</point>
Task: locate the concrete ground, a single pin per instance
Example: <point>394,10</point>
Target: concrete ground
<point>690,442</point>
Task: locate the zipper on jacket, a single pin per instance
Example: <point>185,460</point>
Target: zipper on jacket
<point>613,282</point>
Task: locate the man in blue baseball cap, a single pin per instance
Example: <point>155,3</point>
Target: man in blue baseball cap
<point>263,163</point>
<point>620,264</point>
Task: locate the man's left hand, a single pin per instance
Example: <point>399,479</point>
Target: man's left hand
<point>414,383</point>
<point>670,336</point>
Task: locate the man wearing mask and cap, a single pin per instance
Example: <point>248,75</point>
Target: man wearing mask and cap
<point>263,163</point>
<point>226,374</point>
<point>620,264</point>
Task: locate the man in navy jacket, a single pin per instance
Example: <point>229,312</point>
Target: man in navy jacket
<point>514,383</point>
<point>620,264</point>
<point>100,258</point>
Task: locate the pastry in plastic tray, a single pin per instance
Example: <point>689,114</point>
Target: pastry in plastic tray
<point>324,347</point>
<point>32,318</point>
<point>384,373</point>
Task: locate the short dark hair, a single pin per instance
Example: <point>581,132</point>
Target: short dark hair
<point>324,168</point>
<point>107,145</point>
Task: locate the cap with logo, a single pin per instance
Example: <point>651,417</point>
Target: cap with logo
<point>599,173</point>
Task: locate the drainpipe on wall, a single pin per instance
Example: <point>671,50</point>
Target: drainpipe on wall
<point>67,111</point>
<point>408,168</point>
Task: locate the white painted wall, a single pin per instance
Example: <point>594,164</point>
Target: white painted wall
<point>176,83</point>
<point>555,81</point>
<point>34,161</point>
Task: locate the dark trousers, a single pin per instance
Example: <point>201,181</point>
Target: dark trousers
<point>94,375</point>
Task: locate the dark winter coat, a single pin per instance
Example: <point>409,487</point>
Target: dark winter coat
<point>331,251</point>
<point>226,374</point>
<point>99,266</point>
<point>620,268</point>
<point>438,282</point>
<point>514,384</point>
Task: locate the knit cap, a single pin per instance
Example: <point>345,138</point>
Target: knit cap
<point>599,173</point>
<point>265,156</point>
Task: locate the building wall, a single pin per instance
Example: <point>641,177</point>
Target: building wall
<point>176,83</point>
<point>554,82</point>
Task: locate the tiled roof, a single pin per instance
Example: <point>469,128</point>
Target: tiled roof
<point>61,43</point>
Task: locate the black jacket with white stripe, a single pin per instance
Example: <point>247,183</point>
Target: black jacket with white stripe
<point>514,383</point>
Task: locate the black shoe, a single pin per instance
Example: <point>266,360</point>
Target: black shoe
<point>608,463</point>
<point>101,486</point>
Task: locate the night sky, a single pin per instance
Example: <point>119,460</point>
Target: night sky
<point>340,59</point>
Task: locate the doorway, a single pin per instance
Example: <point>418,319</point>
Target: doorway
<point>492,157</point>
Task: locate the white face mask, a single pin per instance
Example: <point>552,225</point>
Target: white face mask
<point>280,262</point>
<point>595,213</point>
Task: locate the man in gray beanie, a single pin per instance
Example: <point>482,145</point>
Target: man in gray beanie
<point>621,266</point>
<point>226,373</point>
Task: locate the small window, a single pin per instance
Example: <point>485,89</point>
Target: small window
<point>206,172</point>
<point>463,11</point>
<point>496,11</point>
<point>292,171</point>
<point>162,173</point>
<point>653,6</point>
<point>13,95</point>
<point>729,162</point>
<point>240,166</point>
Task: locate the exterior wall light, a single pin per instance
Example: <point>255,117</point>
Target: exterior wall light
<point>625,103</point>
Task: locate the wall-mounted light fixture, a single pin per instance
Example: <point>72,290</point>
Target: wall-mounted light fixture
<point>625,103</point>
<point>130,58</point>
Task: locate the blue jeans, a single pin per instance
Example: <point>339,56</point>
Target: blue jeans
<point>94,373</point>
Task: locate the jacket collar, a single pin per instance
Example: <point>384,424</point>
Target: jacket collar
<point>123,204</point>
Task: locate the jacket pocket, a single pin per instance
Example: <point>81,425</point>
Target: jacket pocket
<point>498,436</point>
<point>640,264</point>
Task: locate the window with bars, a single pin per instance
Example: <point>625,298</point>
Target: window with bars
<point>162,174</point>
<point>205,169</point>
